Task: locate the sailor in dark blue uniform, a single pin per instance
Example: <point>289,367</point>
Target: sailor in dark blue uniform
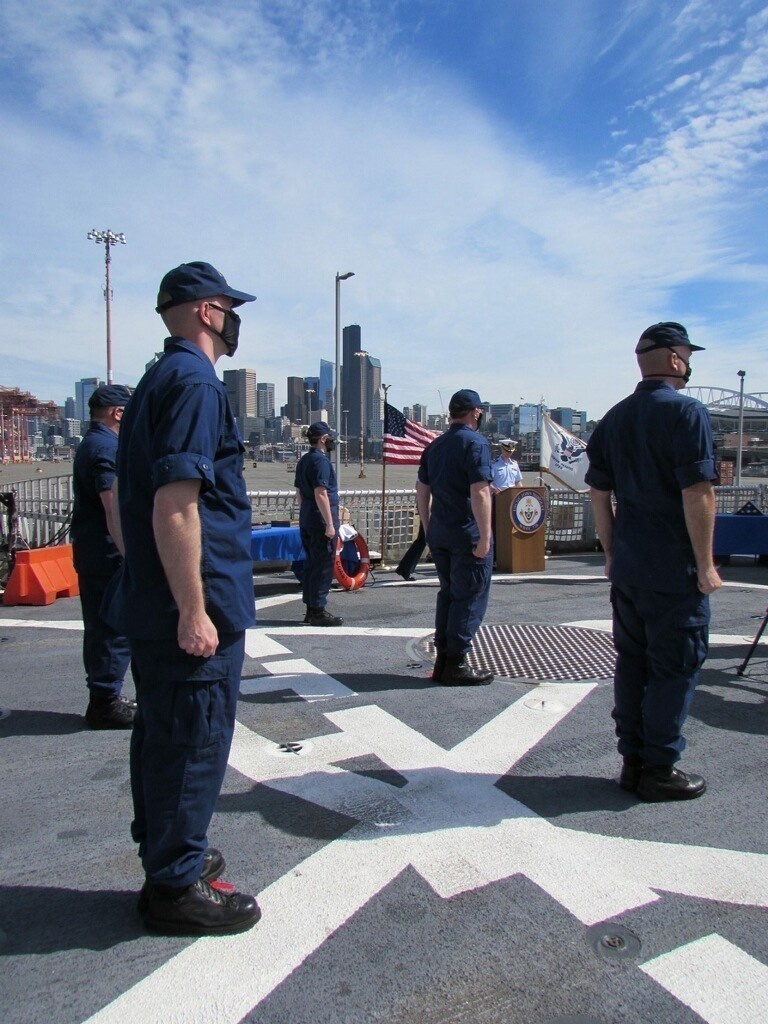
<point>318,496</point>
<point>106,654</point>
<point>454,498</point>
<point>184,598</point>
<point>654,451</point>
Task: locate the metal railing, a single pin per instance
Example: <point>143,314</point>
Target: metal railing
<point>44,508</point>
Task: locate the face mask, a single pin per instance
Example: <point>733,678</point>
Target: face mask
<point>230,332</point>
<point>329,445</point>
<point>479,421</point>
<point>685,377</point>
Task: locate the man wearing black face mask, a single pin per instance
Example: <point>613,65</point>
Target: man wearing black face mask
<point>184,598</point>
<point>318,496</point>
<point>654,451</point>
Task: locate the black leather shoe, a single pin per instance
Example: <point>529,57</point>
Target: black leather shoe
<point>198,910</point>
<point>663,782</point>
<point>458,673</point>
<point>213,867</point>
<point>322,617</point>
<point>437,671</point>
<point>110,713</point>
<point>631,770</point>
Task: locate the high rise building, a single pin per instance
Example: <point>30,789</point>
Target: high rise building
<point>326,387</point>
<point>240,386</point>
<point>350,378</point>
<point>69,408</point>
<point>571,419</point>
<point>314,399</point>
<point>265,400</point>
<point>83,390</point>
<point>296,405</point>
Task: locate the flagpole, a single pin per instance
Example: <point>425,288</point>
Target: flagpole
<point>541,444</point>
<point>385,388</point>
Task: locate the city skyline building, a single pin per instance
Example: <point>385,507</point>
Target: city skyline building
<point>84,388</point>
<point>240,386</point>
<point>265,400</point>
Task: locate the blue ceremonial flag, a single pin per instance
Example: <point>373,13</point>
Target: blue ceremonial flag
<point>404,440</point>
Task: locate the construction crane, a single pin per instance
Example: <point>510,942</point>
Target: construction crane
<point>16,408</point>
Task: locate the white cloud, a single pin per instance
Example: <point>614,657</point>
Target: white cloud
<point>286,141</point>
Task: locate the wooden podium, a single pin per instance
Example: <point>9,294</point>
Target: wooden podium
<point>521,513</point>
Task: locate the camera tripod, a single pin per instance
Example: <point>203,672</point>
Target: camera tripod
<point>743,666</point>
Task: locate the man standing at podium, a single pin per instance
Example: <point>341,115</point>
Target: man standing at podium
<point>654,450</point>
<point>505,470</point>
<point>454,499</point>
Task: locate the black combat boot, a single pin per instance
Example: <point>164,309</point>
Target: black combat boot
<point>458,673</point>
<point>321,617</point>
<point>631,770</point>
<point>665,782</point>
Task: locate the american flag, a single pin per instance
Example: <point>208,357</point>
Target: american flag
<point>404,440</point>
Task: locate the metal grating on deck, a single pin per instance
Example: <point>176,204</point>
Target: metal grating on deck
<point>539,652</point>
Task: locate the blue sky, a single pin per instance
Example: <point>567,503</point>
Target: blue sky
<point>520,186</point>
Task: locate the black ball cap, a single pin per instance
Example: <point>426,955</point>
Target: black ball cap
<point>664,335</point>
<point>191,281</point>
<point>108,396</point>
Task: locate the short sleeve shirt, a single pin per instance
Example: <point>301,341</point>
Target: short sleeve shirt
<point>449,466</point>
<point>315,469</point>
<point>179,426</point>
<point>93,472</point>
<point>647,450</point>
<point>505,474</point>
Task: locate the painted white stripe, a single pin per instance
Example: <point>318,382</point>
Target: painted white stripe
<point>394,631</point>
<point>278,599</point>
<point>259,645</point>
<point>301,676</point>
<point>716,639</point>
<point>74,624</point>
<point>716,979</point>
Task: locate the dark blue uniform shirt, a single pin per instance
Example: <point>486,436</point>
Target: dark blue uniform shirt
<point>315,469</point>
<point>449,466</point>
<point>95,553</point>
<point>179,426</point>
<point>647,450</point>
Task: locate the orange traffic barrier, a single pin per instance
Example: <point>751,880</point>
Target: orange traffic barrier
<point>42,575</point>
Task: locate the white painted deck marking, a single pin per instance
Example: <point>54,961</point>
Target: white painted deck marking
<point>451,823</point>
<point>716,979</point>
<point>299,675</point>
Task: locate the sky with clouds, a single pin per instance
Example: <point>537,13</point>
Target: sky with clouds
<point>520,186</point>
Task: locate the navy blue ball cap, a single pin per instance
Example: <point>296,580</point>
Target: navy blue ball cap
<point>320,429</point>
<point>664,335</point>
<point>464,401</point>
<point>191,281</point>
<point>108,396</point>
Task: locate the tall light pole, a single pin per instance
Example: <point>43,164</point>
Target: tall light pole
<point>742,374</point>
<point>309,392</point>
<point>337,388</point>
<point>346,437</point>
<point>107,238</point>
<point>361,475</point>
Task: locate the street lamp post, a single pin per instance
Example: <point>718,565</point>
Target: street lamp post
<point>361,475</point>
<point>107,239</point>
<point>742,374</point>
<point>337,382</point>
<point>346,437</point>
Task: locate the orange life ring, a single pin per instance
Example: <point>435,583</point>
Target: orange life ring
<point>342,576</point>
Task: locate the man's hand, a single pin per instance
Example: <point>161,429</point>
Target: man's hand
<point>330,531</point>
<point>481,549</point>
<point>197,635</point>
<point>709,580</point>
<point>607,568</point>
